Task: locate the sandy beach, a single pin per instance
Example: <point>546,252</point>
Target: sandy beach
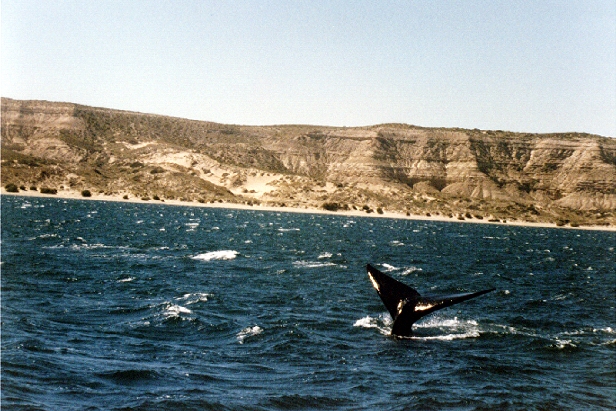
<point>70,194</point>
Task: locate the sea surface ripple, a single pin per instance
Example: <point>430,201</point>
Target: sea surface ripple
<point>120,306</point>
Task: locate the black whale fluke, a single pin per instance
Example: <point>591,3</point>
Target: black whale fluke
<point>406,305</point>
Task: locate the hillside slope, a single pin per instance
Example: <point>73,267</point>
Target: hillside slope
<point>563,178</point>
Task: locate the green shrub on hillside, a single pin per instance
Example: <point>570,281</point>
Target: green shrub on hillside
<point>11,188</point>
<point>331,206</point>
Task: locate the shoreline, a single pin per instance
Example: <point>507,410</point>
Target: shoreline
<point>74,195</point>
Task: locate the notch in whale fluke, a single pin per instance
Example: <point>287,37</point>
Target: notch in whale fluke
<point>406,305</point>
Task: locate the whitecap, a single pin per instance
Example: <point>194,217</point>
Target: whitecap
<point>192,298</point>
<point>446,323</point>
<point>248,332</point>
<point>324,255</point>
<point>453,328</point>
<point>217,255</point>
<point>448,337</point>
<point>389,267</point>
<point>312,264</point>
<point>411,269</point>
<point>562,344</point>
<point>48,236</point>
<point>174,310</point>
<point>126,280</point>
<point>382,323</point>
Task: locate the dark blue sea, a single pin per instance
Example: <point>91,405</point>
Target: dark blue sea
<point>120,306</point>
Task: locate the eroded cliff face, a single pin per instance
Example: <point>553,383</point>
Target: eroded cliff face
<point>557,177</point>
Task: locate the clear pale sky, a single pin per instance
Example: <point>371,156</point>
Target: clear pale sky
<point>532,66</point>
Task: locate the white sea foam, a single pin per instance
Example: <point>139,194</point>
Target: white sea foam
<point>248,332</point>
<point>217,255</point>
<point>47,236</point>
<point>562,344</point>
<point>411,269</point>
<point>324,255</point>
<point>449,337</point>
<point>192,225</point>
<point>192,298</point>
<point>174,310</point>
<point>312,264</point>
<point>126,280</point>
<point>389,267</point>
<point>453,328</point>
<point>435,322</point>
<point>348,224</point>
<point>382,323</point>
<point>366,322</point>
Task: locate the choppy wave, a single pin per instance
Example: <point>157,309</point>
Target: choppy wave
<point>174,310</point>
<point>388,267</point>
<point>411,270</point>
<point>382,323</point>
<point>445,329</point>
<point>313,264</point>
<point>248,332</point>
<point>193,298</point>
<point>217,255</point>
<point>96,306</point>
<point>126,280</point>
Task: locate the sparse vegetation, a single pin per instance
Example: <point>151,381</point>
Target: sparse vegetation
<point>47,190</point>
<point>331,206</point>
<point>122,152</point>
<point>11,188</point>
<point>86,193</point>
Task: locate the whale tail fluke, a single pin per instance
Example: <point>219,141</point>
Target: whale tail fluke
<point>406,305</point>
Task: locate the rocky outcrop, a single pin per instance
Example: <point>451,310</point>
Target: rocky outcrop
<point>554,177</point>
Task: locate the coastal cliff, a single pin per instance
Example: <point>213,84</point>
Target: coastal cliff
<point>564,178</point>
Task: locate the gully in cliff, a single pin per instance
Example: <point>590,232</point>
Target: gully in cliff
<point>406,305</point>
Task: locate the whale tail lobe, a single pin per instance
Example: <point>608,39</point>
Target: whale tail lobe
<point>406,305</point>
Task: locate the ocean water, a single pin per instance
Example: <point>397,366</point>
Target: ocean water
<point>118,306</point>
